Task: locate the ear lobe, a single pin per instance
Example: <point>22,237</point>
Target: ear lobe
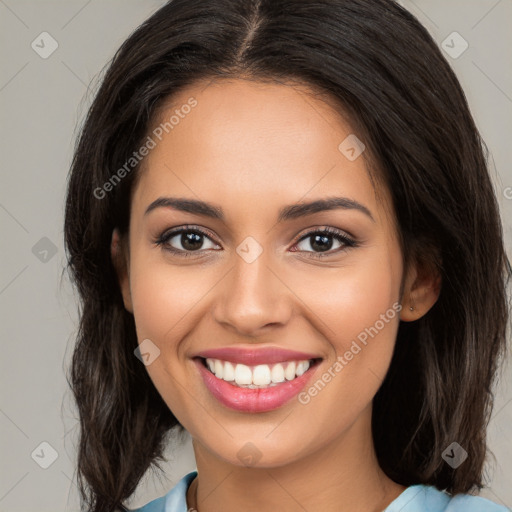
<point>421,291</point>
<point>120,260</point>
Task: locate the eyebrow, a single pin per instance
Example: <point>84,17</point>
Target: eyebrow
<point>293,211</point>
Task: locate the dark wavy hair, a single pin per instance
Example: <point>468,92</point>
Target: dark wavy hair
<point>386,72</point>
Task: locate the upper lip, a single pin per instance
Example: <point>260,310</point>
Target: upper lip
<point>255,356</point>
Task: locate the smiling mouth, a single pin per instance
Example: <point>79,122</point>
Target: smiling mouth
<point>261,376</point>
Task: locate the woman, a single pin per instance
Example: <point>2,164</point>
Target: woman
<point>285,239</point>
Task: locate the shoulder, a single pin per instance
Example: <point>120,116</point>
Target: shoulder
<point>174,501</point>
<point>423,498</point>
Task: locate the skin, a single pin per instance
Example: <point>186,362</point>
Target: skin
<point>252,148</point>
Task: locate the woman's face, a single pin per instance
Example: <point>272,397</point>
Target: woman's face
<point>260,278</point>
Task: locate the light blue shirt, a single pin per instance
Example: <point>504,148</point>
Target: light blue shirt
<point>416,498</point>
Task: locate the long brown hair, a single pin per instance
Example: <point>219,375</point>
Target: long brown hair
<point>381,64</point>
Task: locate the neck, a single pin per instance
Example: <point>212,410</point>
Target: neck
<point>340,476</point>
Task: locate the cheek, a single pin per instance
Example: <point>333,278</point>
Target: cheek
<point>356,309</point>
<point>366,295</point>
<point>164,298</point>
<point>367,322</point>
<point>343,301</point>
<point>163,295</point>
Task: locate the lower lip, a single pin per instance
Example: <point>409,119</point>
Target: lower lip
<point>253,400</point>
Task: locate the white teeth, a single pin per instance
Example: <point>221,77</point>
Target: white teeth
<point>289,373</point>
<point>278,373</point>
<point>301,368</point>
<point>229,372</point>
<point>259,376</point>
<point>219,368</point>
<point>243,374</point>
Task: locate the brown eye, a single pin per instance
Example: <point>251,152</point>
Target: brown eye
<point>185,240</point>
<point>322,241</point>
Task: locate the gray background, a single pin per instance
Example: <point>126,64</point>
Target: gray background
<point>42,102</point>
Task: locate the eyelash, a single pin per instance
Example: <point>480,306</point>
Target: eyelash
<point>338,235</point>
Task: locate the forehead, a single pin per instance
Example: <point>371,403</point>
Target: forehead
<point>251,140</point>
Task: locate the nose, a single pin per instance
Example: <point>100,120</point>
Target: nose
<point>252,298</point>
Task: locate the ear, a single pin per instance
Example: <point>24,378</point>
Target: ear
<point>421,291</point>
<point>120,260</point>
